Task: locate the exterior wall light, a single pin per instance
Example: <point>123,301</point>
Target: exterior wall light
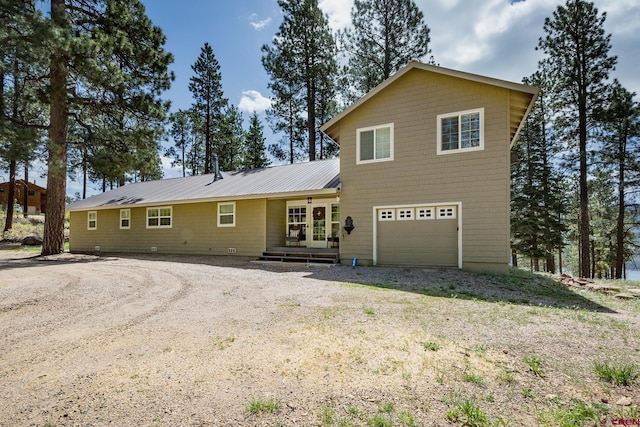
<point>348,225</point>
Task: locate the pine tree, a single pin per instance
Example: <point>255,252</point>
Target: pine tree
<point>620,158</point>
<point>231,139</point>
<point>254,146</point>
<point>300,63</point>
<point>386,35</point>
<point>114,55</point>
<point>576,52</point>
<point>538,201</point>
<point>182,134</point>
<point>206,87</point>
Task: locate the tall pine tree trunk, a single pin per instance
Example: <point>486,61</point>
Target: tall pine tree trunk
<point>53,242</point>
<point>25,196</point>
<point>11,195</point>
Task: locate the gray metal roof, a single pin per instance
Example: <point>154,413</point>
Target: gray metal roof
<point>319,177</point>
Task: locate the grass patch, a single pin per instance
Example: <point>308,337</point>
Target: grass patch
<point>578,413</point>
<point>467,413</point>
<point>470,377</point>
<point>535,364</point>
<point>379,421</point>
<point>258,406</point>
<point>431,346</point>
<point>621,374</point>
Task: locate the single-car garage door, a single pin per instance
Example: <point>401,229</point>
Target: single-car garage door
<point>426,236</point>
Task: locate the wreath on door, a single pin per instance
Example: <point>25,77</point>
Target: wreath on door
<point>318,214</point>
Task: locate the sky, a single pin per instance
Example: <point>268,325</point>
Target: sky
<point>495,38</point>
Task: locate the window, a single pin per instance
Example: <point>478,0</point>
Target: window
<point>424,213</point>
<point>31,193</point>
<point>125,219</point>
<point>375,144</point>
<point>405,214</point>
<point>92,220</point>
<point>159,217</point>
<point>463,131</point>
<point>335,220</point>
<point>447,212</point>
<point>227,214</point>
<point>386,215</point>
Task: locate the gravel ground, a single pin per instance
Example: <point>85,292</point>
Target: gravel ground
<point>195,341</point>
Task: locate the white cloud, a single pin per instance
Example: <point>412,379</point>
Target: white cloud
<point>258,25</point>
<point>338,11</point>
<point>252,100</point>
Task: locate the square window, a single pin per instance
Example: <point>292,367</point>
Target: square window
<point>375,144</point>
<point>461,131</point>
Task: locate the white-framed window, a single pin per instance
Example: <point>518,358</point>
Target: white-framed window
<point>227,214</point>
<point>159,217</point>
<point>387,215</point>
<point>125,219</point>
<point>92,220</point>
<point>461,131</point>
<point>374,144</point>
<point>424,213</point>
<point>405,214</point>
<point>447,212</point>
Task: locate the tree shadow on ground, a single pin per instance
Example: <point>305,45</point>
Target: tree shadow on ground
<point>516,287</point>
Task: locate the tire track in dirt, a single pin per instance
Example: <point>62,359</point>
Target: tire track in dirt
<point>93,324</point>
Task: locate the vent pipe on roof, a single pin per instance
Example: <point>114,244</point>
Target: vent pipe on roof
<point>218,175</point>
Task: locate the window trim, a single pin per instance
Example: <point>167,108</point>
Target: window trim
<point>220,214</point>
<point>158,208</point>
<point>458,114</point>
<point>128,219</point>
<point>374,129</point>
<point>95,220</point>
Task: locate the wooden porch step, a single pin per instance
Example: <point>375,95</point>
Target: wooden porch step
<point>301,256</point>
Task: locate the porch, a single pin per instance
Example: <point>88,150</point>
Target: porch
<point>302,254</point>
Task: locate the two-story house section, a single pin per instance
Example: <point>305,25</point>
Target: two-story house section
<point>425,168</point>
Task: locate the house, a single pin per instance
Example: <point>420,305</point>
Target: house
<point>36,196</point>
<point>423,179</point>
<point>243,213</point>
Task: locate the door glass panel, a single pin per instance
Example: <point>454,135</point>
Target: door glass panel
<point>319,223</point>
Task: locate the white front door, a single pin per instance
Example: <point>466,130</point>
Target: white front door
<point>320,224</point>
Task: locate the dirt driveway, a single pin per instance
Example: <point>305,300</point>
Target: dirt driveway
<point>221,341</point>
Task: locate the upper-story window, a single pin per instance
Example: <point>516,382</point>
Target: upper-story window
<point>375,143</point>
<point>461,131</point>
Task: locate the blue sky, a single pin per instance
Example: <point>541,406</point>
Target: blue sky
<point>496,38</point>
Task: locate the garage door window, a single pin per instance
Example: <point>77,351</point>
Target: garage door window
<point>447,212</point>
<point>405,214</point>
<point>387,215</point>
<point>424,213</point>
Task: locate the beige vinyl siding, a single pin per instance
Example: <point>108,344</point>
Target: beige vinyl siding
<point>193,230</point>
<point>276,222</point>
<point>478,179</point>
